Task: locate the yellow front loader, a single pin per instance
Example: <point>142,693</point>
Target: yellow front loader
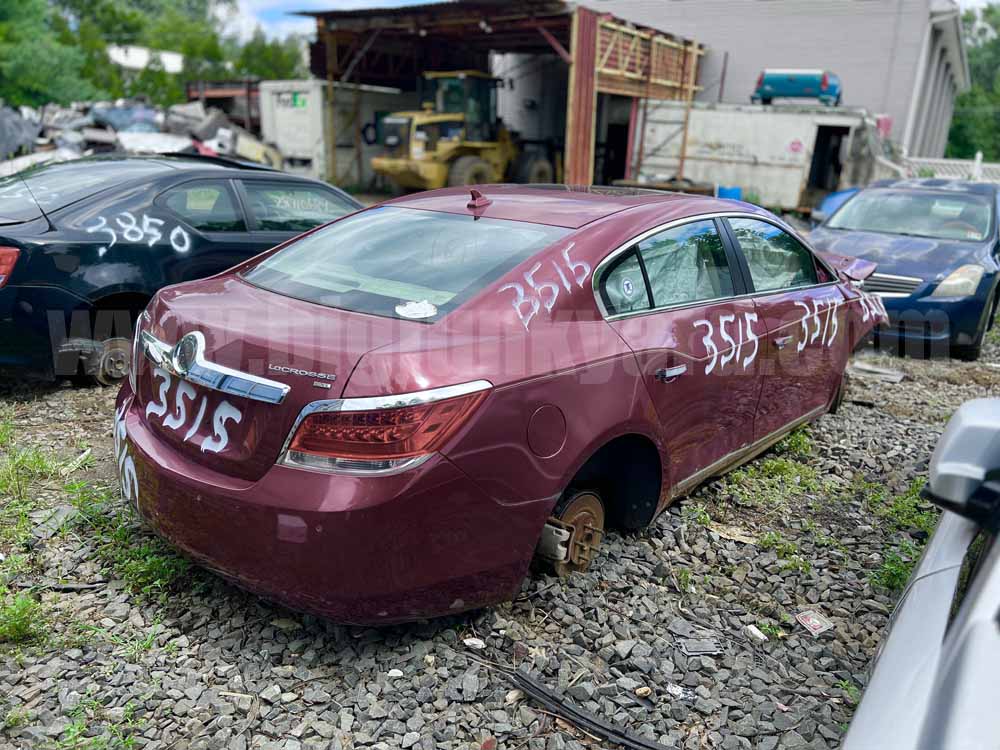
<point>456,139</point>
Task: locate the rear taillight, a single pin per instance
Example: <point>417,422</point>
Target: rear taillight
<point>382,434</point>
<point>760,81</point>
<point>8,259</point>
<point>824,82</point>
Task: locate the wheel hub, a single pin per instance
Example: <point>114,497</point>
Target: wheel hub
<point>583,518</point>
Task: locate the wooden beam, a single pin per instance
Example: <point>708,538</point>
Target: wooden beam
<point>581,105</point>
<point>554,43</point>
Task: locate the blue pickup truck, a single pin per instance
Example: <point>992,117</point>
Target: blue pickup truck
<point>797,84</point>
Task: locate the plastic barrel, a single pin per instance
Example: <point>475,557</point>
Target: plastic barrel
<point>731,193</point>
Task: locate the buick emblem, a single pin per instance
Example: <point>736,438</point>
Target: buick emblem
<point>186,352</point>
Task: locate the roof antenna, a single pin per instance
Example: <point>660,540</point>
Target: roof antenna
<point>478,200</point>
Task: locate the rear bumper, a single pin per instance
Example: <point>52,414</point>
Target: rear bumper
<point>940,323</point>
<point>26,329</point>
<point>370,550</point>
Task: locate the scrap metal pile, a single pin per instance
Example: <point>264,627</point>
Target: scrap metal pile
<point>31,136</point>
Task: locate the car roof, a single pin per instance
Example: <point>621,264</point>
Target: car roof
<point>558,205</point>
<point>936,183</point>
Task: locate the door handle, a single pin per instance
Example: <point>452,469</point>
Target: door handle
<point>670,374</point>
<point>782,341</point>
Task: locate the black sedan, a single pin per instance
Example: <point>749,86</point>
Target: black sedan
<point>85,244</point>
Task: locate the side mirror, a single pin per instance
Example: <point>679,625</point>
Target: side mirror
<point>965,467</point>
<point>819,215</point>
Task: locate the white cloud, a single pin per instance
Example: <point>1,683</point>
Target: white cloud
<point>277,19</point>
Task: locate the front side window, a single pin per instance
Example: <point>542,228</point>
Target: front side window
<point>776,259</point>
<point>207,205</point>
<point>292,207</point>
<point>687,264</point>
<point>623,286</point>
<point>401,262</point>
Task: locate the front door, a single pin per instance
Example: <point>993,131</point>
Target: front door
<point>805,318</point>
<point>673,298</point>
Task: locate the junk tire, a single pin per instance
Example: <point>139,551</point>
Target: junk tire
<point>469,170</point>
<point>532,169</point>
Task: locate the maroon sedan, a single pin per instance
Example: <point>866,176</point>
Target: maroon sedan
<point>388,417</point>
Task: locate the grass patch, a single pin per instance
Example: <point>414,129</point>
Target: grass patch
<point>896,568</point>
<point>908,510</point>
<point>147,564</point>
<point>132,649</point>
<point>21,618</point>
<point>851,691</point>
<point>20,469</point>
<point>787,551</point>
<point>772,631</point>
<point>772,481</point>
<point>798,443</point>
<point>16,717</point>
<point>112,735</point>
<point>696,513</point>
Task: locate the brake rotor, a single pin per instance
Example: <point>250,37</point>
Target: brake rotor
<point>114,361</point>
<point>583,516</point>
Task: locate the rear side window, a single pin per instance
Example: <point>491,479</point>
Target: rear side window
<point>54,186</point>
<point>687,264</point>
<point>401,262</point>
<point>206,205</point>
<point>623,286</point>
<point>776,259</point>
<point>291,207</point>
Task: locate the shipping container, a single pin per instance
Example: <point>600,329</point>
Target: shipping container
<point>292,118</point>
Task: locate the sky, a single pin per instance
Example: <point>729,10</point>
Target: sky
<point>273,15</point>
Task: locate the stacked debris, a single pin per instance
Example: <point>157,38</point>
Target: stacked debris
<point>29,137</point>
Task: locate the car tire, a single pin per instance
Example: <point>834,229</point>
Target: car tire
<point>583,511</point>
<point>469,170</point>
<point>971,352</point>
<point>533,169</point>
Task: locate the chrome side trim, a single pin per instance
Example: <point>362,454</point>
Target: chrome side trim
<point>195,368</point>
<point>595,277</point>
<point>895,277</point>
<point>741,455</point>
<point>370,403</point>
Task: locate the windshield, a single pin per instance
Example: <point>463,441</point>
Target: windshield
<point>924,213</point>
<point>401,262</point>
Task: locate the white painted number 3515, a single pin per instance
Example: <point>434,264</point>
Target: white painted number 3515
<point>177,418</point>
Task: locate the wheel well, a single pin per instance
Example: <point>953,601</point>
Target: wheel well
<point>115,314</point>
<point>627,474</point>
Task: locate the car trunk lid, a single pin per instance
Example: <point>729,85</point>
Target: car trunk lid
<point>309,348</point>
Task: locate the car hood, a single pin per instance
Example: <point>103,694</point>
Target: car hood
<point>920,257</point>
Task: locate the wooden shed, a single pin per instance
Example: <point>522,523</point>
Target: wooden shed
<point>604,54</point>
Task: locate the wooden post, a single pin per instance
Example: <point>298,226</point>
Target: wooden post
<point>581,103</point>
<point>331,116</point>
<point>691,61</point>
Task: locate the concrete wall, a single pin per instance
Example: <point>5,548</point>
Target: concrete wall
<point>875,46</point>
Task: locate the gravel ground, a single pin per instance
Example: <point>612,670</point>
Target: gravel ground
<point>159,655</point>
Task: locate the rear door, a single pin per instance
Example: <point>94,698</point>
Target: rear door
<point>211,233</point>
<point>278,209</point>
<point>805,318</point>
<point>676,299</point>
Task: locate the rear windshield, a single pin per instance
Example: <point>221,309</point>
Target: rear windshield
<point>922,213</point>
<point>401,262</point>
<point>54,186</point>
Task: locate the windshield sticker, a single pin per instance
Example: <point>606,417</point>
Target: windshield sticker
<point>417,310</point>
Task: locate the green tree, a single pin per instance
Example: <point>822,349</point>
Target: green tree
<point>975,125</point>
<point>35,66</point>
<point>156,84</point>
<point>270,59</point>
